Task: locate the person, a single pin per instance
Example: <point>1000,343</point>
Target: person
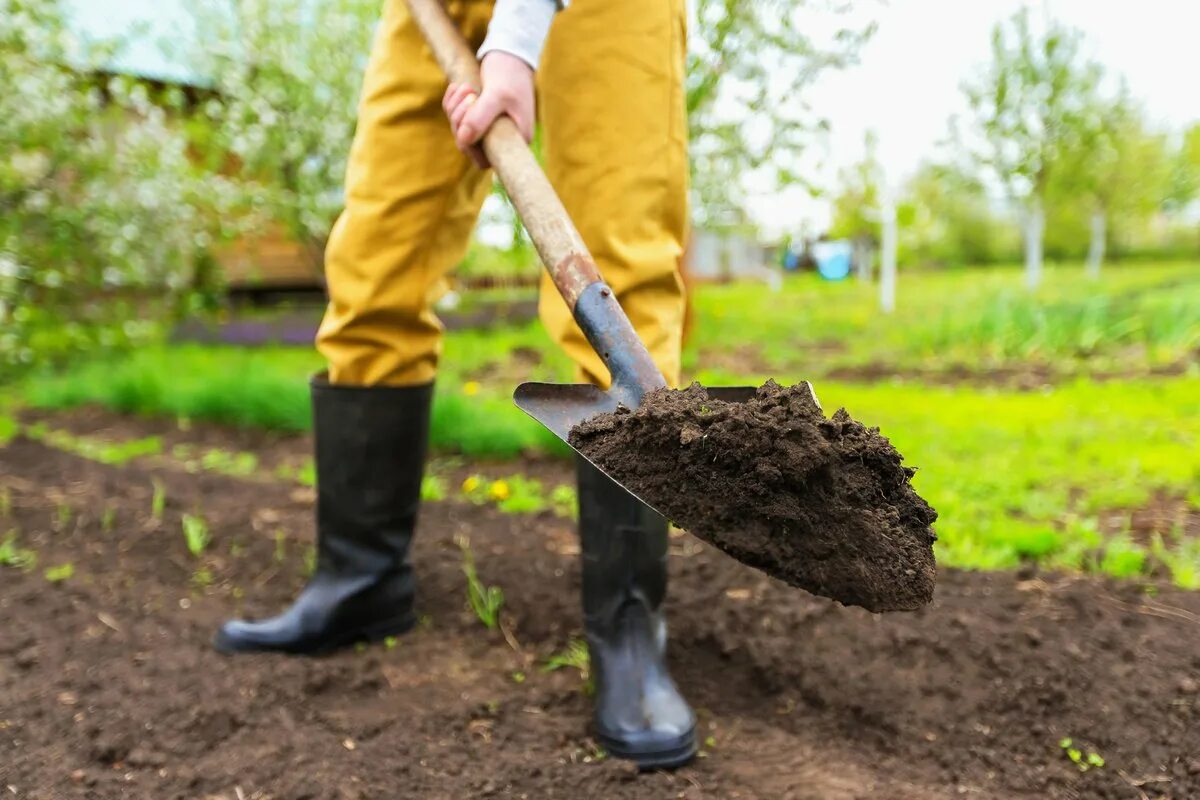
<point>607,76</point>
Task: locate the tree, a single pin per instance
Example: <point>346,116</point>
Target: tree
<point>1116,167</point>
<point>1184,181</point>
<point>749,65</point>
<point>286,77</point>
<point>856,207</point>
<point>103,219</point>
<point>1027,108</point>
<point>948,219</point>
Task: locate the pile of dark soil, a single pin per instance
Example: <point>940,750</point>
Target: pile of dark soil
<point>821,503</point>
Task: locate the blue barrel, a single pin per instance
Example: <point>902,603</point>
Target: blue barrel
<point>833,259</point>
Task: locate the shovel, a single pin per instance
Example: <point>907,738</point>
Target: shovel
<point>593,304</point>
<point>876,551</point>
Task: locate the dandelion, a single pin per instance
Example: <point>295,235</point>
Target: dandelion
<point>470,484</point>
<point>499,490</point>
<point>471,388</point>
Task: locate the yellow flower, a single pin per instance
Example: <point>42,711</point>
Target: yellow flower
<point>471,388</point>
<point>498,490</point>
<point>470,484</point>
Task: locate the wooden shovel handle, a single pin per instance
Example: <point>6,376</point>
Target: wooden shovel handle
<point>593,304</point>
<point>554,235</point>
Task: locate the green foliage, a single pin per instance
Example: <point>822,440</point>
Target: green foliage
<point>1030,103</point>
<point>220,384</point>
<point>60,573</point>
<point>195,534</point>
<point>485,601</point>
<point>574,656</point>
<point>749,67</point>
<point>1180,554</point>
<point>433,488</point>
<point>286,76</point>
<point>13,556</point>
<point>1117,168</point>
<point>1077,756</point>
<point>856,203</point>
<point>1031,470</point>
<point>949,221</point>
<point>518,494</point>
<point>106,452</point>
<point>158,501</point>
<point>98,197</point>
<point>1130,320</point>
<point>8,428</point>
<point>108,518</point>
<point>224,462</point>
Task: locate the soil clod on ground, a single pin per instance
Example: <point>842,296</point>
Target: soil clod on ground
<point>824,504</point>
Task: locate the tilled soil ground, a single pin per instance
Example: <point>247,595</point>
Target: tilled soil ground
<point>109,688</point>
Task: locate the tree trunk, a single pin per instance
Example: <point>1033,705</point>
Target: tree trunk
<point>1096,249</point>
<point>887,267</point>
<point>1035,228</point>
<point>863,256</point>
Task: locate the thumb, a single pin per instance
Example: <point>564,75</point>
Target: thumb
<point>479,118</point>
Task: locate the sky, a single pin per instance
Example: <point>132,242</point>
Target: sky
<point>905,88</point>
<point>907,84</point>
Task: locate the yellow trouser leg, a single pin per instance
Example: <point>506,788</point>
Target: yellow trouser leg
<point>411,203</point>
<point>612,105</point>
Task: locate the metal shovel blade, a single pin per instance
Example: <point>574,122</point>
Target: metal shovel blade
<point>562,406</point>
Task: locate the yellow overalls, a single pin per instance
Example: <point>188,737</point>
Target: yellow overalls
<point>610,100</point>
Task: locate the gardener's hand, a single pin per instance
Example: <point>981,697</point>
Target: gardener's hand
<point>507,89</point>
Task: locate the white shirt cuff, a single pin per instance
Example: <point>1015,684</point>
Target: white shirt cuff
<point>519,27</point>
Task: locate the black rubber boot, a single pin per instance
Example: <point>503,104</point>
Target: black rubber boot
<point>639,713</point>
<point>370,456</point>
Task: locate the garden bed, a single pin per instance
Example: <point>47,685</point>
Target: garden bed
<point>109,688</point>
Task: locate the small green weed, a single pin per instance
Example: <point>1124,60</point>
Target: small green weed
<point>485,601</point>
<point>515,494</point>
<point>564,501</point>
<point>108,518</point>
<point>158,503</point>
<point>62,516</point>
<point>280,547</point>
<point>5,502</point>
<point>1079,758</point>
<point>13,556</point>
<point>94,449</point>
<point>574,655</point>
<point>195,533</point>
<point>8,428</point>
<point>60,573</point>
<point>433,488</point>
<point>310,561</point>
<point>202,578</point>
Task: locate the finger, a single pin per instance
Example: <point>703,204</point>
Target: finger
<point>478,119</point>
<point>460,111</point>
<point>455,93</point>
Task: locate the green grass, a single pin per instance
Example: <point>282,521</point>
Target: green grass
<point>1015,475</point>
<point>1024,475</point>
<point>1134,318</point>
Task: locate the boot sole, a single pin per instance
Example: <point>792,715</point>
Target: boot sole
<point>368,633</point>
<point>666,755</point>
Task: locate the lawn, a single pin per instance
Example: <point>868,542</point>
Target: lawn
<point>1016,474</point>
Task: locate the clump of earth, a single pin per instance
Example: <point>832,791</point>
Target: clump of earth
<point>822,503</point>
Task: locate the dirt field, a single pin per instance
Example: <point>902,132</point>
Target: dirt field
<point>109,689</point>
